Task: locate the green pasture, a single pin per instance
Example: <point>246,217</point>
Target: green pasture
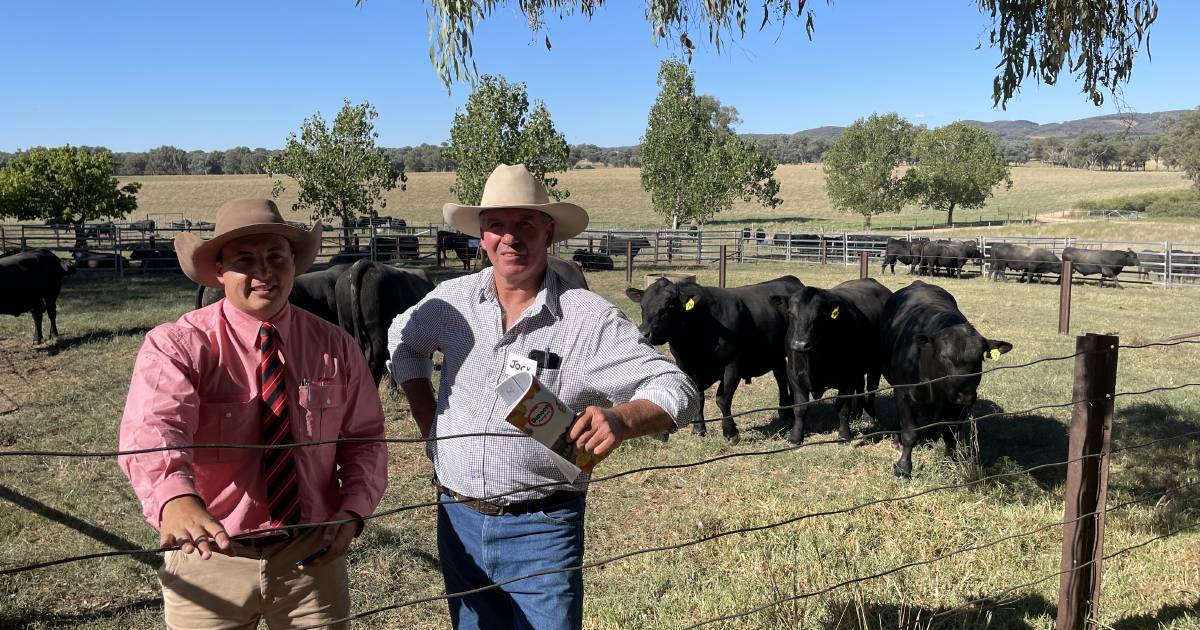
<point>69,393</point>
<point>615,199</point>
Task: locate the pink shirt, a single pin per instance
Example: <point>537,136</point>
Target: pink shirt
<point>195,382</point>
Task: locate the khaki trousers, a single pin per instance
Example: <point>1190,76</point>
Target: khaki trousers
<point>257,584</point>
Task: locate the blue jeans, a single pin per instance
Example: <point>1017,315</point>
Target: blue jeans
<point>476,550</point>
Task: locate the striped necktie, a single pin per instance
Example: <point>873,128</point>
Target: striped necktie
<point>279,464</point>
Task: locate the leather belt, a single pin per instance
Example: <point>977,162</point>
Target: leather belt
<point>489,508</point>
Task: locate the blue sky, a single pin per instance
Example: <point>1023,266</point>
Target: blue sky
<point>211,75</point>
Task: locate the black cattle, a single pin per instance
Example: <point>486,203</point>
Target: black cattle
<point>464,246</point>
<point>620,244</point>
<point>314,292</point>
<point>87,259</point>
<point>369,296</point>
<point>592,261</point>
<point>925,337</point>
<point>1032,262</point>
<point>833,343</point>
<point>904,252</point>
<point>1108,263</point>
<point>145,225</point>
<point>156,258</point>
<point>32,281</point>
<point>948,256</point>
<point>720,336</point>
<point>384,222</point>
<point>570,271</point>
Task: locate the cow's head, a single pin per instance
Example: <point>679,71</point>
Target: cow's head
<point>664,308</point>
<point>811,314</point>
<point>957,352</point>
<point>1131,258</point>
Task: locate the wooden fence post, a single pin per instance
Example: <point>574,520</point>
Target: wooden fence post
<point>864,263</point>
<point>824,250</point>
<point>721,268</point>
<point>1064,298</point>
<point>1087,480</point>
<point>629,262</point>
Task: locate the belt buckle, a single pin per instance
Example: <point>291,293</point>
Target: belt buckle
<point>485,508</point>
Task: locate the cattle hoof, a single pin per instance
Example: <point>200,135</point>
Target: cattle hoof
<point>662,437</point>
<point>698,429</point>
<point>845,437</point>
<point>733,438</point>
<point>903,472</point>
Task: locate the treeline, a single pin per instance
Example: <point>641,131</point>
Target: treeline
<point>1093,150</point>
<point>1098,150</point>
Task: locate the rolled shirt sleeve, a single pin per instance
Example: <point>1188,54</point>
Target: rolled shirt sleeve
<point>625,367</point>
<point>412,339</point>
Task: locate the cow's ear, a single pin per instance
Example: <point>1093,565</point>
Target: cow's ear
<point>690,303</point>
<point>997,348</point>
<point>779,301</point>
<point>634,294</point>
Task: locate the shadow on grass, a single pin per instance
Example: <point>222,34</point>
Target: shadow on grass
<point>61,344</point>
<point>1010,615</point>
<point>1164,616</point>
<point>25,618</point>
<point>99,534</point>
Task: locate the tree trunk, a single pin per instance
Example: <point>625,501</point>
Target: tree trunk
<point>866,221</point>
<point>346,244</point>
<point>950,215</point>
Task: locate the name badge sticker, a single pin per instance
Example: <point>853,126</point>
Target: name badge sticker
<point>516,364</point>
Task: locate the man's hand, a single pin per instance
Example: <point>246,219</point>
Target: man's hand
<point>336,538</point>
<point>185,522</point>
<point>598,431</point>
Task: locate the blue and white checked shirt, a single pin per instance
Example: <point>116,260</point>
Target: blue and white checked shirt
<point>604,362</point>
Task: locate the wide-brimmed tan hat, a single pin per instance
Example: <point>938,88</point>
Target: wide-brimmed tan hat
<point>238,218</point>
<point>515,187</point>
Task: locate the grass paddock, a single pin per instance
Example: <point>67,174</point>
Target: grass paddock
<point>69,393</point>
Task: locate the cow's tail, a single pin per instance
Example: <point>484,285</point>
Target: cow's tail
<point>357,322</point>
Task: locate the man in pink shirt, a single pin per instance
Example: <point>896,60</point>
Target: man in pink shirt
<point>252,369</point>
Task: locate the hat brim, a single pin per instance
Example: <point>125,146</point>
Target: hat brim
<point>198,257</point>
<point>569,219</point>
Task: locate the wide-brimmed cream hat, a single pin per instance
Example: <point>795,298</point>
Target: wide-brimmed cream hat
<point>515,187</point>
<point>238,218</point>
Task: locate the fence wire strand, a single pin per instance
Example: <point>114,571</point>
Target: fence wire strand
<point>939,558</point>
<point>659,467</point>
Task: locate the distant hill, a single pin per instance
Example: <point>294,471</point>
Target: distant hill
<point>1136,124</point>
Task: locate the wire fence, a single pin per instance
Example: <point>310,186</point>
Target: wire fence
<point>1076,403</point>
<point>146,246</point>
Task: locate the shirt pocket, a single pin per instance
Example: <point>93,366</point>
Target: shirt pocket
<point>324,403</point>
<point>550,380</point>
<point>237,420</point>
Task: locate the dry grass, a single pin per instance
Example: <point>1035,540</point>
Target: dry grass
<point>70,393</point>
<point>615,198</point>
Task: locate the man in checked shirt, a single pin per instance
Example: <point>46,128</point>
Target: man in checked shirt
<point>511,511</point>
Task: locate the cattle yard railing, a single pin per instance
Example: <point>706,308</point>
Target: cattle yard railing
<point>1089,453</point>
<point>144,246</point>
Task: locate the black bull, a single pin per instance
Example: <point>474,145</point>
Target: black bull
<point>1107,263</point>
<point>933,358</point>
<point>721,336</point>
<point>32,281</point>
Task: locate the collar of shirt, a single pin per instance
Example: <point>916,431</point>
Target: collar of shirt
<point>547,296</point>
<point>245,327</point>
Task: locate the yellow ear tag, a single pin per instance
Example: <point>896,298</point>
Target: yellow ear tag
<point>835,312</point>
<point>994,354</point>
<point>691,304</point>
